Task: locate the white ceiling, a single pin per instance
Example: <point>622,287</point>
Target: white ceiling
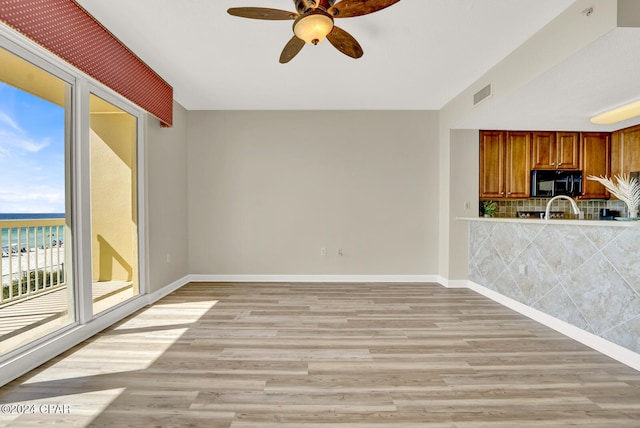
<point>419,54</point>
<point>602,76</point>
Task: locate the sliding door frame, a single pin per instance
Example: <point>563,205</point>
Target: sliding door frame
<point>78,206</point>
<point>88,89</point>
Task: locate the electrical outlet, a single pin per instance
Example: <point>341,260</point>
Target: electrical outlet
<point>339,252</point>
<point>467,206</point>
<point>323,251</point>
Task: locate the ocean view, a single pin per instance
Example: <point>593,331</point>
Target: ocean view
<point>29,216</point>
<point>36,239</point>
<point>26,249</point>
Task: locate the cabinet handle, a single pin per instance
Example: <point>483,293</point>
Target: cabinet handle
<point>502,193</point>
<point>553,163</point>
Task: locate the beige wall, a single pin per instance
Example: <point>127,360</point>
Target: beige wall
<point>465,172</point>
<point>265,194</point>
<point>166,172</point>
<point>269,189</point>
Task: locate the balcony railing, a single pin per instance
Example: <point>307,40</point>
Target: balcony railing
<point>33,258</point>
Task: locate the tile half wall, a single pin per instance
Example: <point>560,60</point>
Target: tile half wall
<point>587,276</point>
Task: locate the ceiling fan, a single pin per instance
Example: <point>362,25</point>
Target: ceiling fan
<point>313,22</point>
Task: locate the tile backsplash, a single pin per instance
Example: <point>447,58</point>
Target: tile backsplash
<point>591,208</point>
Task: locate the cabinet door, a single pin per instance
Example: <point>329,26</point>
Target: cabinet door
<point>492,164</point>
<point>568,150</point>
<point>596,149</point>
<point>544,150</point>
<point>625,151</point>
<point>518,164</point>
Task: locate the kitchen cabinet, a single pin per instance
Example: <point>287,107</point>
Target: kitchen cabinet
<point>492,164</point>
<point>625,151</point>
<point>505,164</point>
<point>595,148</point>
<point>556,150</point>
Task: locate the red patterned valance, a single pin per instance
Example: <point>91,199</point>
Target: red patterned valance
<point>67,30</point>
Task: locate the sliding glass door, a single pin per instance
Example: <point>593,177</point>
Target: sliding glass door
<point>114,207</point>
<point>38,294</point>
<point>69,202</point>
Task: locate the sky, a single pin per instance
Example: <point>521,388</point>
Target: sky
<point>31,153</point>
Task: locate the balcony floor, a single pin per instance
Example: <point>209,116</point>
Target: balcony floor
<point>29,319</point>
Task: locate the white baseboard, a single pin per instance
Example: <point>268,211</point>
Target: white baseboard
<point>166,290</point>
<point>610,349</point>
<point>315,278</point>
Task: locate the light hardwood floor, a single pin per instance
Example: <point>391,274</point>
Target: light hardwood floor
<point>327,355</point>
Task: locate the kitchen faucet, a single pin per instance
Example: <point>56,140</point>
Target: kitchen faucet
<point>574,206</point>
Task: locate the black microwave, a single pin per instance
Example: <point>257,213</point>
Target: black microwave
<point>550,183</point>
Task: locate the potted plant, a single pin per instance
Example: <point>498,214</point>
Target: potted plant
<point>627,190</point>
<point>489,208</point>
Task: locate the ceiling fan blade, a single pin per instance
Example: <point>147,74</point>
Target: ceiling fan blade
<point>262,13</point>
<point>349,8</point>
<point>345,42</point>
<point>291,49</point>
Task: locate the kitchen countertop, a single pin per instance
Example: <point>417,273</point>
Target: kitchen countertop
<point>560,222</point>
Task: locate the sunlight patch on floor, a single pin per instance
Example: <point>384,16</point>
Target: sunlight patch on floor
<point>152,331</point>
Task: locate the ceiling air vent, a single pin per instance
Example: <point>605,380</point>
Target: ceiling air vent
<point>482,95</point>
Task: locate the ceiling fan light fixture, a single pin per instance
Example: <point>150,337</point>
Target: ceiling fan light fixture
<point>313,27</point>
<point>619,114</point>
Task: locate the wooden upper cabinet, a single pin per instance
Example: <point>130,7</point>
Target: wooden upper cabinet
<point>556,150</point>
<point>568,150</point>
<point>492,161</point>
<point>596,160</point>
<point>625,151</point>
<point>505,164</point>
<point>518,164</point>
<point>544,150</point>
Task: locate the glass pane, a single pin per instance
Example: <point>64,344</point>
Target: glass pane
<point>114,211</point>
<point>37,295</point>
